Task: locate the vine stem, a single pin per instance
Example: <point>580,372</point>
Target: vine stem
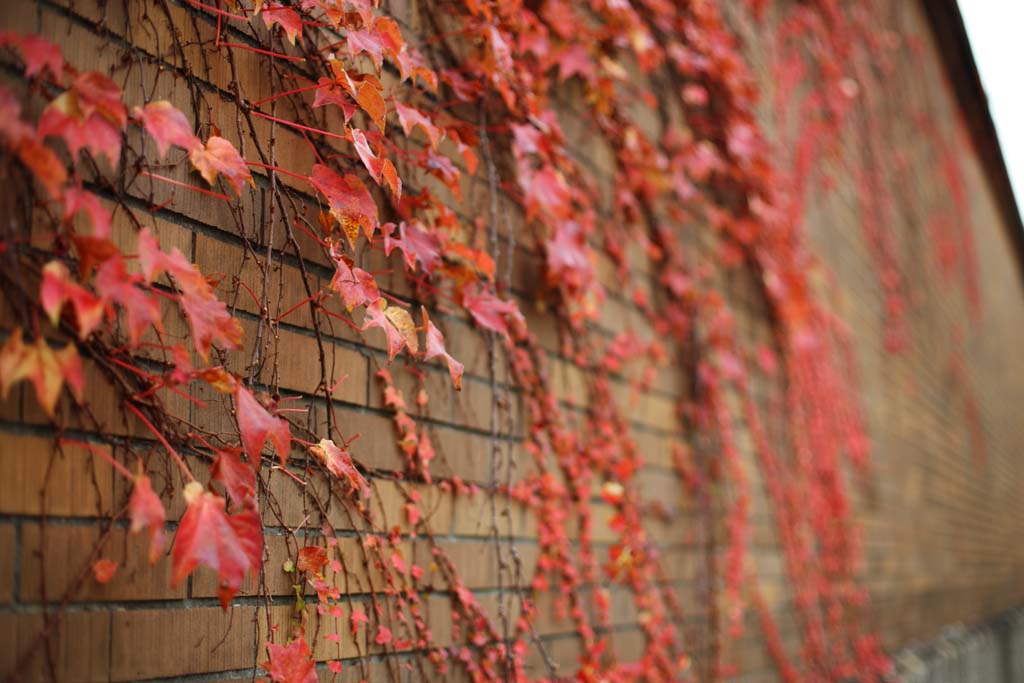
<point>160,437</point>
<point>96,450</point>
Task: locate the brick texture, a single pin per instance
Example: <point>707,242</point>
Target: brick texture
<point>941,520</point>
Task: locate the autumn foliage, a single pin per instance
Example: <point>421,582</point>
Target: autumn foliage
<point>400,125</point>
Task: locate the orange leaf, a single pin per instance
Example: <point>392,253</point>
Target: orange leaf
<point>104,570</point>
<point>339,463</point>
<point>219,156</point>
<point>349,200</point>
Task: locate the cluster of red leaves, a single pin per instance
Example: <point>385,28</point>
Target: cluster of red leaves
<point>524,54</point>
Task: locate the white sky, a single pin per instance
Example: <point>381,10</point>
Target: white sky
<point>994,28</point>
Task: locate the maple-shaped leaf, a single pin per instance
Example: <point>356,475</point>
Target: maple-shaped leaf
<point>77,200</point>
<point>37,53</point>
<point>286,17</point>
<point>88,115</point>
<point>410,117</point>
<point>312,558</point>
<point>147,512</point>
<point>416,244</point>
<point>256,425</point>
<point>141,308</point>
<point>436,349</point>
<point>355,285</point>
<point>402,321</point>
<point>103,570</point>
<point>228,544</point>
<point>490,312</point>
<point>292,663</point>
<point>48,370</point>
<point>208,316</point>
<point>44,163</point>
<point>332,91</point>
<point>339,463</point>
<point>238,479</point>
<point>370,99</point>
<point>373,41</point>
<point>57,288</point>
<point>376,317</point>
<point>218,156</point>
<point>167,126</point>
<point>381,169</point>
<point>350,202</point>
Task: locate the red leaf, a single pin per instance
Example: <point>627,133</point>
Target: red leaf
<point>88,115</point>
<point>141,308</point>
<point>383,635</point>
<point>435,348</point>
<point>416,245</point>
<point>207,535</point>
<point>339,463</point>
<point>44,163</point>
<point>219,156</point>
<point>146,510</point>
<point>358,618</point>
<point>350,202</point>
<point>239,479</point>
<point>312,558</point>
<point>288,18</point>
<point>334,92</point>
<point>37,53</point>
<point>167,126</point>
<point>58,288</point>
<point>256,425</point>
<point>207,315</point>
<point>292,663</point>
<point>103,570</point>
<point>355,285</point>
<point>377,317</point>
<point>379,168</point>
<point>411,116</point>
<point>76,200</point>
<point>490,312</point>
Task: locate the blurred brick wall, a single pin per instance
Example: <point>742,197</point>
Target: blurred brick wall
<point>941,519</point>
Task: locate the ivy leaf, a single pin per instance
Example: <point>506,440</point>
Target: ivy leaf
<point>411,116</point>
<point>372,102</point>
<point>167,126</point>
<point>142,309</point>
<point>77,200</point>
<point>256,425</point>
<point>219,156</point>
<point>57,288</point>
<point>379,168</point>
<point>103,570</point>
<point>490,312</point>
<point>333,91</point>
<point>238,479</point>
<point>350,202</point>
<point>357,619</point>
<point>48,370</point>
<point>355,285</point>
<point>435,348</point>
<point>288,19</point>
<point>88,115</point>
<point>383,635</point>
<point>209,317</point>
<point>146,511</point>
<point>402,321</point>
<point>292,663</point>
<point>37,53</point>
<point>416,245</point>
<point>228,544</point>
<point>339,463</point>
<point>376,317</point>
<point>312,558</point>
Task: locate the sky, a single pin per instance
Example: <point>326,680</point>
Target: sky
<point>994,29</point>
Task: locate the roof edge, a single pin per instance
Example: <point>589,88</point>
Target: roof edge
<point>950,33</point>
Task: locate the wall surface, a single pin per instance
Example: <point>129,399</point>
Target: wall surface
<point>940,506</point>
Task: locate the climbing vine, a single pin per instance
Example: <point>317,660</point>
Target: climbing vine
<point>355,148</point>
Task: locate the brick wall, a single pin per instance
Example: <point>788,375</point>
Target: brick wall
<point>940,509</point>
